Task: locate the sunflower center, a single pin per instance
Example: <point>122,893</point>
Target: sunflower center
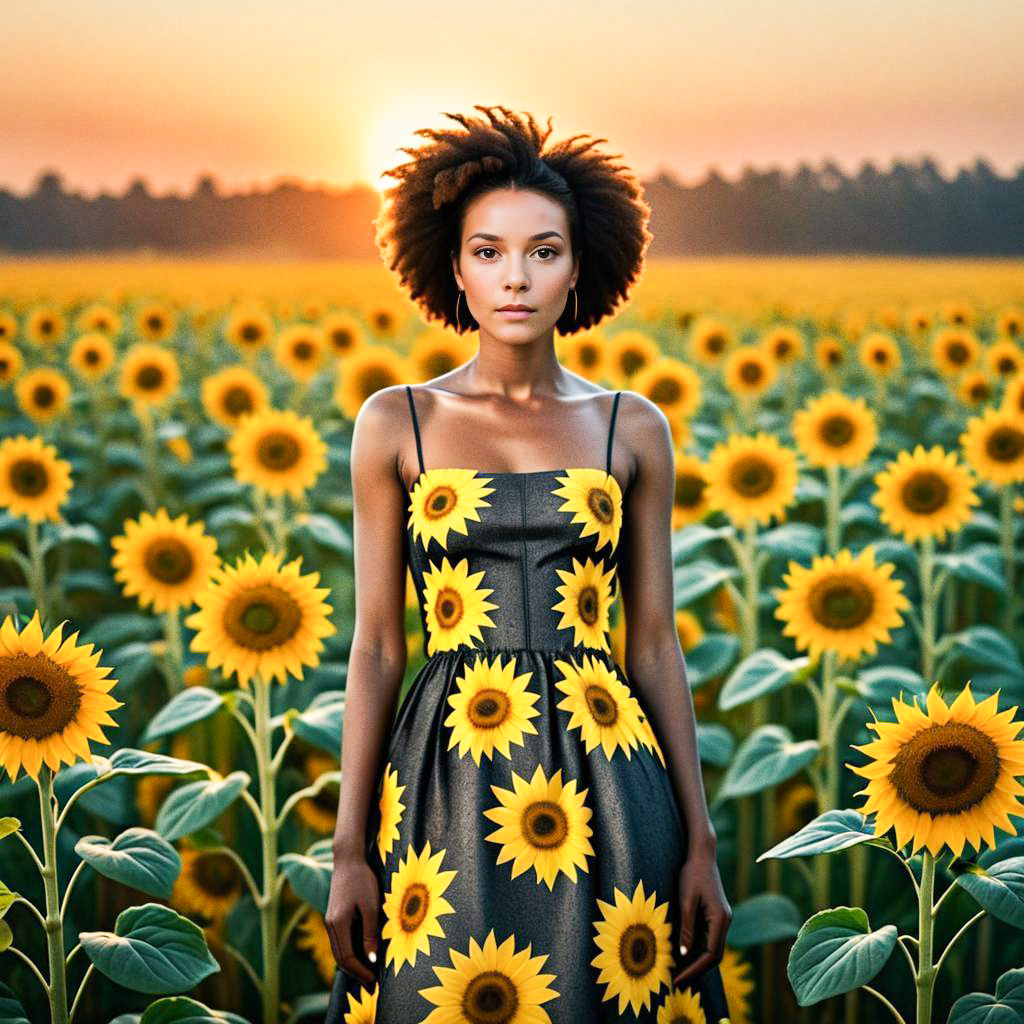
<point>715,343</point>
<point>751,372</point>
<point>440,502</point>
<point>382,320</point>
<point>373,379</point>
<point>545,824</point>
<point>448,608</point>
<point>1005,444</point>
<point>29,477</point>
<point>637,949</point>
<point>154,323</point>
<point>37,697</point>
<point>841,602</point>
<point>341,337</point>
<point>880,356</point>
<point>689,490</point>
<point>217,874</point>
<point>588,605</point>
<point>150,377</point>
<point>833,356</point>
<point>956,352</point>
<point>925,492</point>
<point>44,396</point>
<point>490,998</point>
<point>782,349</point>
<point>602,705</point>
<point>837,431</point>
<point>303,350</point>
<point>600,503</point>
<point>46,327</point>
<point>1006,365</point>
<point>751,476</point>
<point>237,401</point>
<point>588,355</point>
<point>632,360</point>
<point>665,391</point>
<point>489,708</point>
<point>980,391</point>
<point>169,561</point>
<point>262,617</point>
<point>251,333</point>
<point>946,769</point>
<point>278,450</point>
<point>415,902</point>
<point>92,357</point>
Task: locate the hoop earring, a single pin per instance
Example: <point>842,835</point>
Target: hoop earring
<point>458,326</point>
<point>576,305</point>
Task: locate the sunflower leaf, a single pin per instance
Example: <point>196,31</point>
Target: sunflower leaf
<point>152,949</point>
<point>762,672</point>
<point>693,581</point>
<point>1006,1007</point>
<point>8,897</point>
<point>800,541</point>
<point>766,757</point>
<point>8,825</point>
<point>309,873</point>
<point>192,705</point>
<point>183,1010</point>
<point>829,833</point>
<point>692,537</point>
<point>321,723</point>
<point>138,857</point>
<point>836,952</point>
<point>766,917</point>
<point>998,889</point>
<point>989,647</point>
<point>715,743</point>
<point>11,1010</point>
<point>192,806</point>
<point>711,657</point>
<point>980,563</point>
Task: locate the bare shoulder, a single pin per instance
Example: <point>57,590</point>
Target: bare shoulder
<point>645,430</point>
<point>377,428</point>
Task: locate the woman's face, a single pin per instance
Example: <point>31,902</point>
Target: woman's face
<point>515,251</point>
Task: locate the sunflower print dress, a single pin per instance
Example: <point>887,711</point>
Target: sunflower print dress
<point>526,837</point>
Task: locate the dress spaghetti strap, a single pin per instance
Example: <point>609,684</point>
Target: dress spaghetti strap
<point>415,427</point>
<point>611,431</point>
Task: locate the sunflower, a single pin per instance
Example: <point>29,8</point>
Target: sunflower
<point>738,982</point>
<point>710,340</point>
<point>210,884</point>
<point>844,604</point>
<point>301,350</point>
<point>45,326</point>
<point>974,388</point>
<point>690,498</point>
<point>43,394</point>
<point>681,1006</point>
<point>233,393</point>
<point>319,812</point>
<point>919,320</point>
<point>312,936</point>
<point>1004,358</point>
<point>390,805</point>
<point>833,430</point>
<point>261,617</point>
<point>584,353</point>
<point>492,983</point>
<point>414,904</point>
<point>99,317</point>
<point>249,329</point>
<point>150,374</point>
<point>383,320</point>
<point>543,825</point>
<point>446,499</point>
<point>53,698</point>
<point>633,935</point>
<point>8,326</point>
<point>670,384</point>
<point>993,444</point>
<point>829,353</point>
<point>437,351</point>
<point>958,312</point>
<point>796,805</point>
<point>342,332</point>
<point>749,371</point>
<point>179,448</point>
<point>11,362</point>
<point>783,343</point>
<point>879,354</point>
<point>492,709</point>
<point>1013,398</point>
<point>595,500</point>
<point>688,629</point>
<point>751,477</point>
<point>925,494</point>
<point>364,372</point>
<point>34,481</point>
<point>598,703</point>
<point>944,775</point>
<point>164,562</point>
<point>1010,322</point>
<point>629,351</point>
<point>586,597</point>
<point>647,736</point>
<point>362,1006</point>
<point>278,451</point>
<point>954,349</point>
<point>92,356</point>
<point>455,605</point>
<point>155,321</point>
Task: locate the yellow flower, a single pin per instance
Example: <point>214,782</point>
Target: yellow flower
<point>670,384</point>
<point>879,354</point>
<point>834,430</point>
<point>749,372</point>
<point>954,349</point>
<point>92,356</point>
<point>278,451</point>
<point>595,499</point>
<point>586,593</point>
<point>710,340</point>
<point>444,500</point>
<point>365,371</point>
<point>993,444</point>
<point>232,393</point>
<point>43,394</point>
<point>751,478</point>
<point>690,496</point>
<point>150,374</point>
<point>34,481</point>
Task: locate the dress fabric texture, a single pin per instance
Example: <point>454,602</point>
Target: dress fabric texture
<point>525,834</point>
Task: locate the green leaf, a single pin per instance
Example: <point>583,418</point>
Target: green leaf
<point>115,630</point>
<point>182,1010</point>
<point>711,657</point>
<point>799,541</point>
<point>6,936</point>
<point>688,540</point>
<point>829,832</point>
<point>129,761</point>
<point>980,563</point>
<point>989,647</point>
<point>762,672</point>
<point>321,723</point>
<point>327,532</point>
<point>767,917</point>
<point>11,1010</point>
<point>858,512</point>
<point>691,582</point>
<point>836,952</point>
<point>152,949</point>
<point>192,705</point>
<point>881,683</point>
<point>8,826</point>
<point>1006,1007</point>
<point>310,873</point>
<point>998,889</point>
<point>765,758</point>
<point>138,857</point>
<point>714,743</point>
<point>190,807</point>
<point>7,898</point>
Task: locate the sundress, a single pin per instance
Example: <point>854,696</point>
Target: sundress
<point>525,833</point>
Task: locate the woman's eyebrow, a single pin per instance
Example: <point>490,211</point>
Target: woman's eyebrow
<point>498,238</point>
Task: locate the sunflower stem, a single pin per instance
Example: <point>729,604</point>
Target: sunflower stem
<point>926,971</point>
<point>175,652</point>
<point>1006,538</point>
<point>300,912</point>
<point>928,596</point>
<point>32,853</point>
<point>81,989</point>
<point>885,1002</point>
<point>832,507</point>
<point>58,985</point>
<point>37,576</point>
<point>829,780</point>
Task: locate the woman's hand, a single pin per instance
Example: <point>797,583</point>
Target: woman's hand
<point>353,887</point>
<point>701,892</point>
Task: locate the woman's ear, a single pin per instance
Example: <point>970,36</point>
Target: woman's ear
<point>456,271</point>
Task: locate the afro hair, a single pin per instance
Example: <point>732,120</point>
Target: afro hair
<point>420,223</point>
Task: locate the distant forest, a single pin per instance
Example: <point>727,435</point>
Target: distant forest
<point>910,208</point>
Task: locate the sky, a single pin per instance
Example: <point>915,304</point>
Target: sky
<point>326,92</point>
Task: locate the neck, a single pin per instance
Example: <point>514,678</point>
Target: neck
<point>519,372</point>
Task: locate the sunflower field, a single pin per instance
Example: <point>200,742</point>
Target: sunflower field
<point>176,607</point>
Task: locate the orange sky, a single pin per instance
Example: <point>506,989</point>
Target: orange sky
<point>107,89</point>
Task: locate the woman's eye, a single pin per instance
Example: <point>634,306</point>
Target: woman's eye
<point>543,248</point>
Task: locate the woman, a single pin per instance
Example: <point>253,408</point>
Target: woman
<point>523,844</point>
